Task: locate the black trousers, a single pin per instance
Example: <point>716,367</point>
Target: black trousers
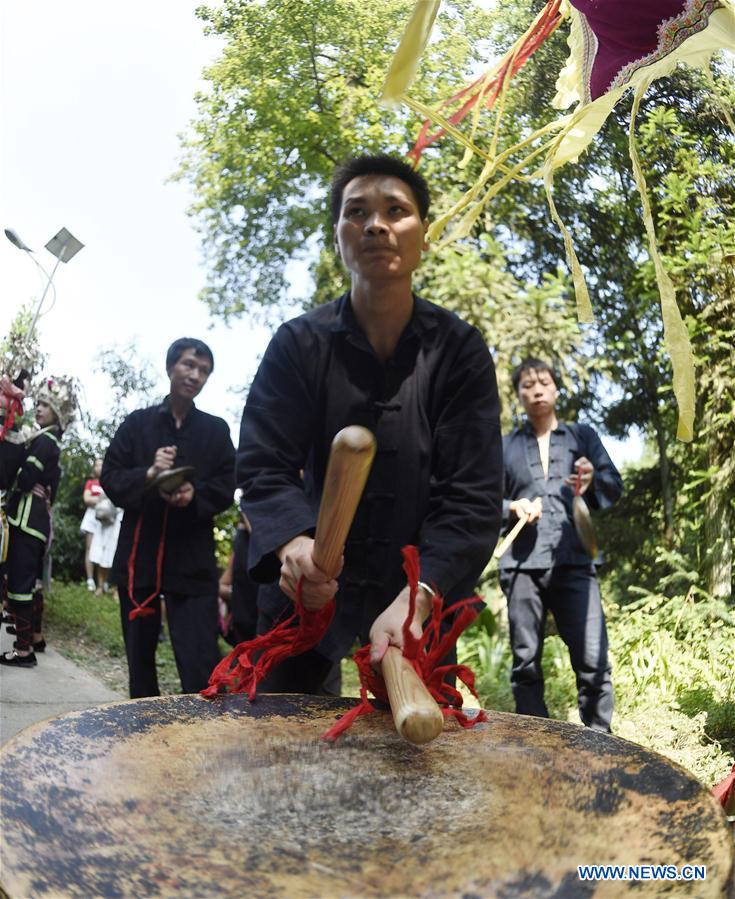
<point>193,627</point>
<point>23,568</point>
<point>572,595</point>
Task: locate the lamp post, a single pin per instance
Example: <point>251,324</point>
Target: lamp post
<point>62,245</point>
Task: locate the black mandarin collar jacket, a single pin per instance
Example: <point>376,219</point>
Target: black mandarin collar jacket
<point>553,539</point>
<point>437,477</point>
<point>203,441</point>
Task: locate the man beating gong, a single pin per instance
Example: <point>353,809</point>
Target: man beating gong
<point>422,381</point>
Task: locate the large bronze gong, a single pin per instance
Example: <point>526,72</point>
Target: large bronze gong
<point>180,796</point>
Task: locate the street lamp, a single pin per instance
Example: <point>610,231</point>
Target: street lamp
<point>62,245</point>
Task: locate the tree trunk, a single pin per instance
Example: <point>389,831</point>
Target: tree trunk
<point>667,488</point>
<point>718,531</point>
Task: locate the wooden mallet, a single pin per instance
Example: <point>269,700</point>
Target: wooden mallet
<point>416,714</point>
<point>511,535</point>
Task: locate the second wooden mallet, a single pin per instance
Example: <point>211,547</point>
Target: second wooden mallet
<point>416,714</point>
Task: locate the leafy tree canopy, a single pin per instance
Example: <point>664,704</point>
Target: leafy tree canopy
<point>293,93</point>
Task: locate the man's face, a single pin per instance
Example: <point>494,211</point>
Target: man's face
<point>537,392</point>
<point>379,235</point>
<point>189,375</point>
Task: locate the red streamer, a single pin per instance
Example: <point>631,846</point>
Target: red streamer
<point>547,24</point>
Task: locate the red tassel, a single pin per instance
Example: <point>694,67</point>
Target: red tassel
<point>245,667</point>
<point>425,654</point>
<point>724,792</point>
<point>14,408</point>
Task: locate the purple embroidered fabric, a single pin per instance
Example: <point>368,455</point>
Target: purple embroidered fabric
<point>622,35</point>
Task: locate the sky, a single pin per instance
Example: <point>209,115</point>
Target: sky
<point>93,97</point>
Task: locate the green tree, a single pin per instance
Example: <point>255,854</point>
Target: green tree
<point>294,92</point>
<point>131,385</point>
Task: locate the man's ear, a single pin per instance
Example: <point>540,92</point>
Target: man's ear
<point>425,244</point>
<point>336,242</point>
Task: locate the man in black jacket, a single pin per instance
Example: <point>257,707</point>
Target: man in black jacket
<point>423,382</point>
<point>166,543</point>
<point>547,568</point>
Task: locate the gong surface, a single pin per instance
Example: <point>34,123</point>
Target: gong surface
<point>180,796</point>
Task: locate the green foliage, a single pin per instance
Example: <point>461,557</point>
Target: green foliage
<point>19,348</point>
<point>516,320</point>
<point>88,630</point>
<point>674,659</point>
<point>67,548</point>
<point>132,380</point>
<point>131,385</point>
<point>293,93</point>
<point>224,533</point>
<point>673,655</point>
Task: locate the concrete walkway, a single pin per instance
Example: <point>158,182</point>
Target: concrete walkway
<point>53,687</point>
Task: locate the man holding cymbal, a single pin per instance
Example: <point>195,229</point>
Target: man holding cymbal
<point>171,468</point>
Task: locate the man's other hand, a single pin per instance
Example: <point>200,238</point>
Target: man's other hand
<point>179,498</point>
<point>297,561</point>
<point>587,471</point>
<point>387,629</point>
<point>529,507</point>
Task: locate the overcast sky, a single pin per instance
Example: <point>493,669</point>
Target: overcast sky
<point>93,96</point>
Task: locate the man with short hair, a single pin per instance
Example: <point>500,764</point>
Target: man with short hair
<point>166,543</point>
<point>423,382</point>
<point>547,567</point>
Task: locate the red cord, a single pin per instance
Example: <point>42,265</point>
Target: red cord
<point>142,608</point>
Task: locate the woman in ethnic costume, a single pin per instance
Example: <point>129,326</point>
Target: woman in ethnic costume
<point>29,517</point>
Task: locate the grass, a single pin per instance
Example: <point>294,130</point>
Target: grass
<point>87,630</point>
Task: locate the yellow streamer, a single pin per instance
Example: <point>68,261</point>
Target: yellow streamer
<point>413,42</point>
<point>676,336</point>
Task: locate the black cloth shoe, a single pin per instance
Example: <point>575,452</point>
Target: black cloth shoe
<point>10,629</point>
<point>12,658</point>
<point>40,646</point>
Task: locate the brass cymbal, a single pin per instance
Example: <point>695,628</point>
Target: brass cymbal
<point>171,479</point>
